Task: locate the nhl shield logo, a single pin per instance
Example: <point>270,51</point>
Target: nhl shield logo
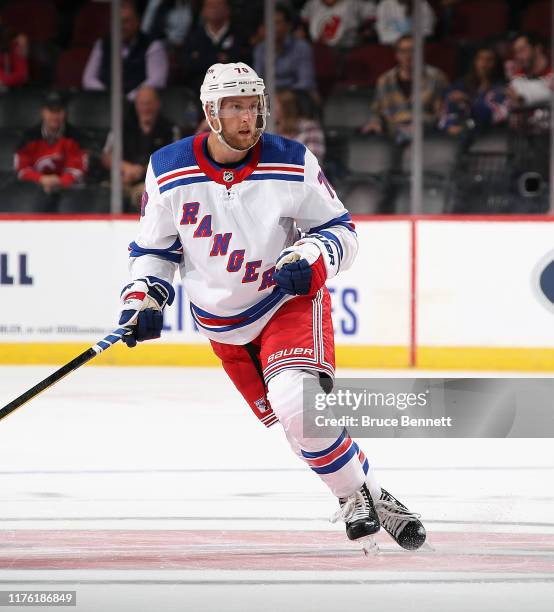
<point>228,176</point>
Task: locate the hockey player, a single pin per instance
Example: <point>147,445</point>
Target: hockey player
<point>256,230</point>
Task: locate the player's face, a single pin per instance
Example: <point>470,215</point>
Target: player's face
<point>238,117</point>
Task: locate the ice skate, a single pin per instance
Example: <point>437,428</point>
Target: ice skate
<point>362,521</point>
<point>401,524</point>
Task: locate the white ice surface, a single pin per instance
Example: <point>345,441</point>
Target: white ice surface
<point>177,449</point>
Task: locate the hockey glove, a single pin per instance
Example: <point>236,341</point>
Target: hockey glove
<point>143,302</point>
<point>300,269</point>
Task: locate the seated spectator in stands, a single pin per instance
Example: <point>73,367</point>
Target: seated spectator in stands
<point>294,62</point>
<point>142,135</point>
<point>394,19</point>
<point>51,155</point>
<point>290,123</point>
<point>337,23</point>
<point>169,20</point>
<point>530,73</point>
<point>392,106</point>
<point>14,68</point>
<point>144,60</point>
<point>479,99</point>
<point>214,40</point>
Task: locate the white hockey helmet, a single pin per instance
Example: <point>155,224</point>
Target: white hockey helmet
<point>229,80</point>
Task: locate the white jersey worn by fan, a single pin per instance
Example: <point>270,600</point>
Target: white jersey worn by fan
<point>225,228</point>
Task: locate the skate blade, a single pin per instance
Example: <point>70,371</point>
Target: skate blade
<point>369,546</point>
<point>426,547</point>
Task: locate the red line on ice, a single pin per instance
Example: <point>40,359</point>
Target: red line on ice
<point>268,550</point>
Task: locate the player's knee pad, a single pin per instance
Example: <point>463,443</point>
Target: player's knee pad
<point>285,394</point>
<point>286,398</point>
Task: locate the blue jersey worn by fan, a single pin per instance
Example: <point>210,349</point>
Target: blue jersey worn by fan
<point>255,230</point>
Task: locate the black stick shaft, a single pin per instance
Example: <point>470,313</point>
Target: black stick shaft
<point>48,382</point>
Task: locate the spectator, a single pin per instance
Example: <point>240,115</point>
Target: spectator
<point>392,107</point>
<point>50,154</point>
<point>394,19</point>
<point>479,99</point>
<point>142,135</point>
<point>144,60</point>
<point>530,74</point>
<point>14,68</point>
<point>294,62</point>
<point>213,41</point>
<point>337,23</point>
<point>290,123</point>
<point>170,20</point>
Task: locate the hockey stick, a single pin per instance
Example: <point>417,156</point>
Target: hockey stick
<point>80,360</point>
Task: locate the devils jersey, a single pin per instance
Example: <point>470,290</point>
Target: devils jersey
<point>225,228</point>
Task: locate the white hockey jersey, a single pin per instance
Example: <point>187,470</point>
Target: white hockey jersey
<point>225,227</point>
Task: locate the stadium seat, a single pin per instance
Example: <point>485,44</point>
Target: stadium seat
<point>443,56</point>
<point>440,154</point>
<point>369,154</point>
<point>364,65</point>
<point>494,140</point>
<point>42,63</point>
<point>537,19</point>
<point>326,61</point>
<point>9,140</point>
<point>36,18</point>
<point>362,196</point>
<point>22,197</point>
<point>92,22</point>
<point>20,108</point>
<point>347,110</point>
<point>85,199</point>
<point>435,195</point>
<point>70,67</point>
<point>90,110</point>
<point>180,105</point>
<point>479,20</point>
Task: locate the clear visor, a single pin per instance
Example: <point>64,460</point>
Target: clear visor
<point>238,108</point>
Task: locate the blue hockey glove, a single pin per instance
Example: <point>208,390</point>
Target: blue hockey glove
<point>143,302</point>
<point>300,269</point>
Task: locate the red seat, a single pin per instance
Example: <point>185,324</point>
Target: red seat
<point>36,18</point>
<point>70,67</point>
<point>364,65</point>
<point>537,19</point>
<point>443,56</point>
<point>326,68</point>
<point>92,22</point>
<point>477,20</point>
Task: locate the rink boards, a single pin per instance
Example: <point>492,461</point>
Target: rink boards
<point>435,292</point>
